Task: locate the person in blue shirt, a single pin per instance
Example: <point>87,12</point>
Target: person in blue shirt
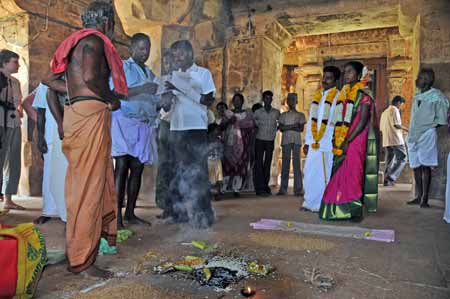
<point>133,128</point>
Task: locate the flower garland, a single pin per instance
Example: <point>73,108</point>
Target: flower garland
<point>316,133</point>
<point>344,111</point>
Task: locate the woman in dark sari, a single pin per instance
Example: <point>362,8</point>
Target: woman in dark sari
<point>238,134</point>
<point>354,179</point>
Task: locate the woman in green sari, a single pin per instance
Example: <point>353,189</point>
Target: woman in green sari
<point>354,179</point>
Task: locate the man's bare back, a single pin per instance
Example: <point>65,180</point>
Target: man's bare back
<point>88,72</point>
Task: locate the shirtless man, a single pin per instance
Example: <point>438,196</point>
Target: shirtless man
<point>87,58</point>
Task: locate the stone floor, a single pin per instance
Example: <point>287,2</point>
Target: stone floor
<point>416,265</point>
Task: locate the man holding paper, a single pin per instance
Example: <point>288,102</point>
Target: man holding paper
<point>193,88</point>
<point>133,128</point>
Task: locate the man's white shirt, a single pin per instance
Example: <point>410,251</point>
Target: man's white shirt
<point>188,113</point>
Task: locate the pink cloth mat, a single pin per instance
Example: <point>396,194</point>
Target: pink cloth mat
<point>381,235</point>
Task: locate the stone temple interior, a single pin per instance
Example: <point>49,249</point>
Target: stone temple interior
<point>251,46</point>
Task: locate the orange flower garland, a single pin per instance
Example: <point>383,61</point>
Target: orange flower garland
<point>344,111</point>
<point>316,133</point>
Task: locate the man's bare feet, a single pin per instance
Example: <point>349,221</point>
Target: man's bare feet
<point>41,220</point>
<point>10,205</point>
<point>1,198</point>
<point>95,271</point>
<point>136,220</point>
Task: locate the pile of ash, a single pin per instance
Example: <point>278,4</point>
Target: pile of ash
<point>214,271</point>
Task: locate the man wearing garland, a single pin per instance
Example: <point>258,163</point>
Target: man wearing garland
<point>318,146</point>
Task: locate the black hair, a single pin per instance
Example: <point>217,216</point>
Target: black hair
<point>222,104</point>
<point>429,72</point>
<point>267,93</point>
<point>240,95</point>
<point>6,55</point>
<point>256,106</point>
<point>397,99</point>
<point>182,45</point>
<point>291,94</point>
<point>357,66</point>
<point>137,37</point>
<point>212,127</point>
<point>334,70</point>
<point>98,12</point>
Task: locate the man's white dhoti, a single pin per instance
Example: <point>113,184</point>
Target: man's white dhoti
<point>55,163</point>
<point>319,162</point>
<point>317,174</point>
<point>424,152</point>
<point>55,167</point>
<point>58,170</point>
<point>447,193</point>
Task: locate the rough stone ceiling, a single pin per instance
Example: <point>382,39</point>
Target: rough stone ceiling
<point>313,17</point>
<point>380,17</point>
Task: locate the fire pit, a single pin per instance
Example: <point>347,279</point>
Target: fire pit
<point>216,271</point>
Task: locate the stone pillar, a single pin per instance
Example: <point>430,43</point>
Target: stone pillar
<point>310,66</point>
<point>243,69</point>
<point>399,66</point>
<point>311,75</point>
<point>399,73</point>
<point>396,79</point>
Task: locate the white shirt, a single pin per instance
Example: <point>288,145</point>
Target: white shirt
<point>389,119</point>
<point>188,113</point>
<point>326,143</point>
<point>40,101</point>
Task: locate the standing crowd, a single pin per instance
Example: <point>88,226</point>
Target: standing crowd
<point>100,120</point>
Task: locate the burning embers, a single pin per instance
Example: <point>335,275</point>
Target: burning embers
<point>217,271</point>
<point>248,291</point>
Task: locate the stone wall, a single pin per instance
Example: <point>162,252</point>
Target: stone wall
<point>214,61</point>
<point>202,22</point>
<point>34,31</point>
<point>271,70</point>
<point>46,33</point>
<point>243,69</point>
